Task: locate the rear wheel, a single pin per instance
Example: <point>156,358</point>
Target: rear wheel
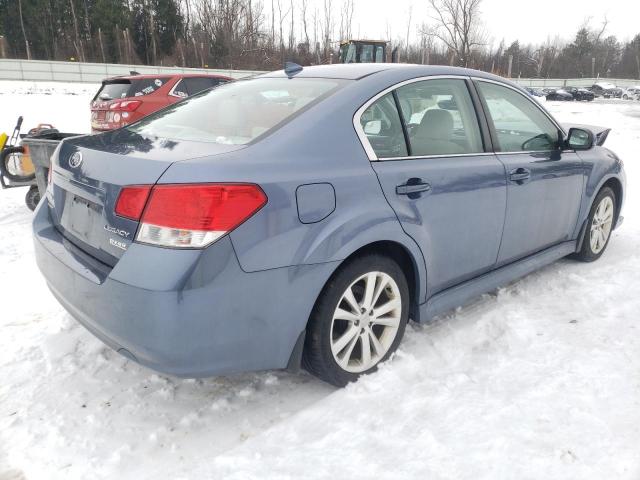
<point>358,320</point>
<point>599,226</point>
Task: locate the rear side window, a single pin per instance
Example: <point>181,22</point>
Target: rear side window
<point>519,124</point>
<point>124,88</point>
<point>381,124</point>
<point>238,112</point>
<point>145,86</point>
<point>440,118</point>
<point>198,84</point>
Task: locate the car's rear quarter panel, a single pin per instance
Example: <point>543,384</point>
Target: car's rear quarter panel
<point>320,146</point>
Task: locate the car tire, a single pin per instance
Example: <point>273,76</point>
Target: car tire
<point>338,337</point>
<point>32,198</point>
<point>600,224</point>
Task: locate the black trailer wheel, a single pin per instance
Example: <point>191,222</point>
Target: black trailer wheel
<point>9,160</point>
<point>32,198</point>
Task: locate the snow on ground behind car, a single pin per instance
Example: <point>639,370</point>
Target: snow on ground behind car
<point>538,380</point>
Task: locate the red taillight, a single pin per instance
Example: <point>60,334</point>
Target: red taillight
<point>132,200</point>
<point>190,215</point>
<point>212,207</point>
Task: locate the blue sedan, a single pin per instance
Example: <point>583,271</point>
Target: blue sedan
<point>300,218</point>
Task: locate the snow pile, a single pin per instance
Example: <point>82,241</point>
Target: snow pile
<point>539,380</point>
<point>64,105</point>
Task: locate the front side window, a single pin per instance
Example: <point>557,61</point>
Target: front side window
<point>383,128</point>
<point>440,118</point>
<point>519,124</point>
<point>237,112</point>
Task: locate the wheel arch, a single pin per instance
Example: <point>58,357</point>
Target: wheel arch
<point>616,185</point>
<point>415,273</point>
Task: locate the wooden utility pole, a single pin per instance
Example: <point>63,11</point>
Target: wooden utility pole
<point>510,65</point>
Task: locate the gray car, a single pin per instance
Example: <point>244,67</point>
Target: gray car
<point>302,217</point>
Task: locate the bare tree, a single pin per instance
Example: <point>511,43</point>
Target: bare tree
<point>459,27</point>
<point>427,34</point>
<point>327,28</point>
<point>346,19</point>
<point>78,41</point>
<point>24,33</point>
<point>408,30</point>
<point>303,15</point>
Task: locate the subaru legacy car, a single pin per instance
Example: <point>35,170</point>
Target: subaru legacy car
<point>300,218</point>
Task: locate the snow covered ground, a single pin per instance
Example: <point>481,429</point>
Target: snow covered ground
<point>540,380</point>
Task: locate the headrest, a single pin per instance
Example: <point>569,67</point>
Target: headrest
<point>436,124</point>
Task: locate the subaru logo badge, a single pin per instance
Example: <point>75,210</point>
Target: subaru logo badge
<point>75,160</point>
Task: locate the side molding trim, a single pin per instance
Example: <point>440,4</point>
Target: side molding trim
<point>461,294</point>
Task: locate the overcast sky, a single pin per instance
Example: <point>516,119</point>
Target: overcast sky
<point>529,22</point>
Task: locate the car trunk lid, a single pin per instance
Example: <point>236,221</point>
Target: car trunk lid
<point>88,175</point>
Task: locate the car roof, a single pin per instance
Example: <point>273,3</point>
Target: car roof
<point>357,71</point>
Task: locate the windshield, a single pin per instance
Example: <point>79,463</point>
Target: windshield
<point>238,112</point>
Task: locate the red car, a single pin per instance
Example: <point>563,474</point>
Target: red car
<point>124,100</point>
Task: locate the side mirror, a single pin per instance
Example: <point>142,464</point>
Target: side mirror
<point>373,127</point>
<point>580,139</point>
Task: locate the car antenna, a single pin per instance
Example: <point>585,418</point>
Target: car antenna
<point>291,68</point>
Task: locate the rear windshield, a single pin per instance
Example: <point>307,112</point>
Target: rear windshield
<point>130,88</point>
<point>238,112</point>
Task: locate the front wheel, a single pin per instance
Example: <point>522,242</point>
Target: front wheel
<point>599,226</point>
<point>358,320</point>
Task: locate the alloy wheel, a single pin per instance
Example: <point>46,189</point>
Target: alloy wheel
<point>366,322</point>
<point>601,225</point>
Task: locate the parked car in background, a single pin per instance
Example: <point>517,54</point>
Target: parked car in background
<point>124,100</point>
<point>326,207</point>
<point>632,93</point>
<point>534,92</point>
<point>559,94</point>
<point>606,90</point>
<point>580,93</point>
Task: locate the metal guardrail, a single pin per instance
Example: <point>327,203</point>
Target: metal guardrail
<point>76,72</point>
<point>573,82</point>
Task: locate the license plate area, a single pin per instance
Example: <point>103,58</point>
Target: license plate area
<point>82,218</point>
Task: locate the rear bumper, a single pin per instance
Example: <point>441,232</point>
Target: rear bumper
<point>186,313</point>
